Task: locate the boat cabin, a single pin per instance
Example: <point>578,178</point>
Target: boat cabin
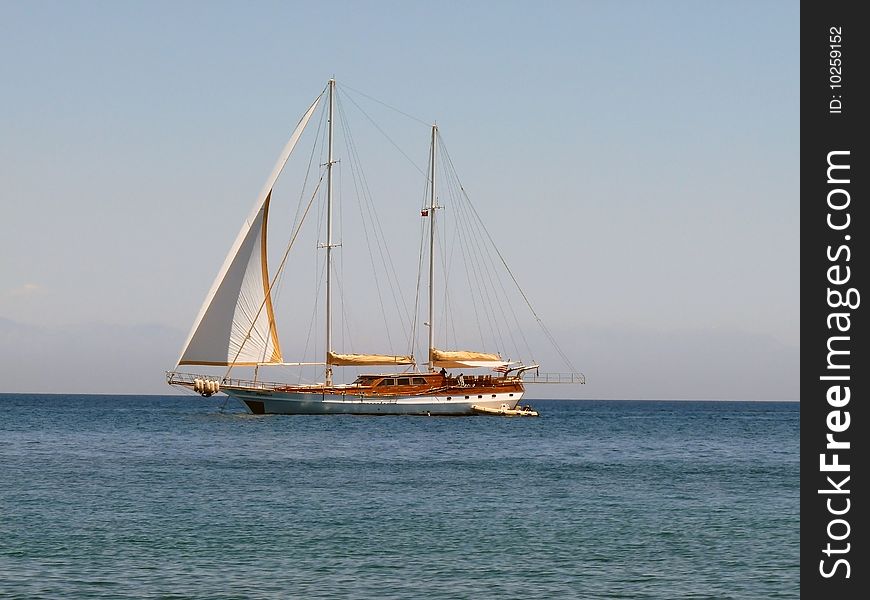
<point>392,381</point>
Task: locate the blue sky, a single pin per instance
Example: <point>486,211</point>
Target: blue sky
<point>640,160</point>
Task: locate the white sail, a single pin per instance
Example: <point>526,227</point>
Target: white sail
<point>236,324</point>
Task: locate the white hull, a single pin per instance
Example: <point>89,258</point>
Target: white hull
<point>295,403</point>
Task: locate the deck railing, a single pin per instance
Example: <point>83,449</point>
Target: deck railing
<point>174,377</point>
<point>530,377</point>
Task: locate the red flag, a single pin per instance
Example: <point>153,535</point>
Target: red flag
<point>424,213</point>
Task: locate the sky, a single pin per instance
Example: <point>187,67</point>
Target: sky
<point>637,161</point>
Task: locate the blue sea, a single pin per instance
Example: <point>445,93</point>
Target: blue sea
<point>173,497</point>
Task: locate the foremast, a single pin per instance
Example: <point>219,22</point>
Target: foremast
<point>329,245</point>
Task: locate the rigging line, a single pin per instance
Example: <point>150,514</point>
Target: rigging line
<point>357,185</point>
<point>459,243</point>
<point>339,273</point>
<point>346,318</point>
<point>453,242</point>
<point>413,337</point>
<point>340,277</point>
<point>384,133</point>
<point>399,300</point>
<point>454,201</point>
<point>476,293</point>
<point>423,229</point>
<point>519,328</point>
<point>314,148</point>
<point>345,307</point>
<point>302,194</point>
<point>357,177</point>
<point>272,283</point>
<point>496,274</point>
<point>319,269</point>
<point>510,304</point>
<point>449,266</point>
<point>344,85</point>
<point>380,238</point>
<point>321,205</point>
<point>502,320</point>
<point>487,254</point>
<point>448,309</point>
<point>520,289</point>
<point>488,269</point>
<point>440,247</point>
<point>453,310</point>
<point>446,318</point>
<point>474,252</point>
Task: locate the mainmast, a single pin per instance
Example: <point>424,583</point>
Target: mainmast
<point>329,163</point>
<point>432,207</point>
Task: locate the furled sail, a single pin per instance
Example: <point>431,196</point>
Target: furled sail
<point>349,360</point>
<point>236,324</point>
<point>462,358</point>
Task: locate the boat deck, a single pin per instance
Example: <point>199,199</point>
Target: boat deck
<point>369,386</point>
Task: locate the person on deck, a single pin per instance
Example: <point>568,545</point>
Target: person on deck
<point>461,380</point>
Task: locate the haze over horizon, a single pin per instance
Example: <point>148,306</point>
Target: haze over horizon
<point>639,162</point>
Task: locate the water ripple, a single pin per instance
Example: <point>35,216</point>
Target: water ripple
<point>166,497</point>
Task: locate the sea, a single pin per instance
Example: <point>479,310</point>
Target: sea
<point>182,497</point>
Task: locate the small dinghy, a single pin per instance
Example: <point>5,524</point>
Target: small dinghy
<point>505,411</point>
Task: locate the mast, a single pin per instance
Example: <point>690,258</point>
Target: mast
<point>329,162</point>
<point>432,252</point>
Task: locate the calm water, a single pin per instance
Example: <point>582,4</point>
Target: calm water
<point>167,497</point>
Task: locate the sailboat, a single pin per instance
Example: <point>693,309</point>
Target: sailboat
<point>236,327</point>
